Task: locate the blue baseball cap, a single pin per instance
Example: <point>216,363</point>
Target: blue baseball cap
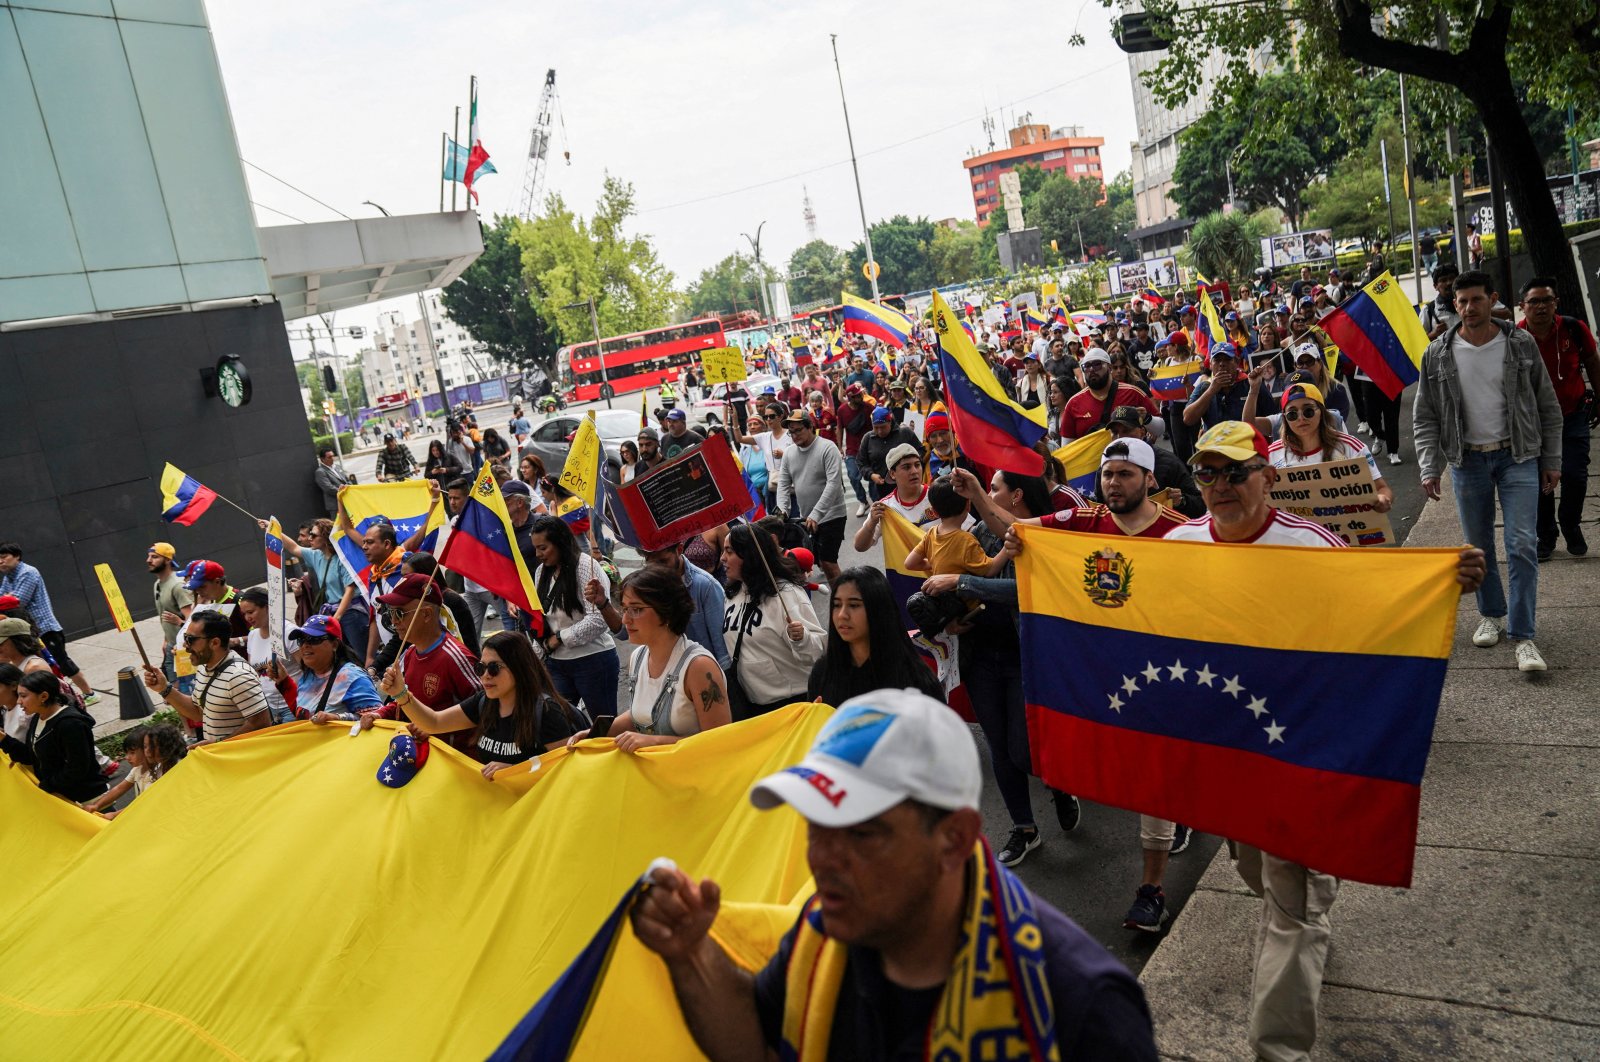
<point>1163,342</point>
<point>881,414</point>
<point>202,571</point>
<point>1224,350</point>
<point>318,626</point>
<point>406,757</point>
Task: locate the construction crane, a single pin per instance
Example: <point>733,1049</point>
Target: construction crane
<point>539,146</point>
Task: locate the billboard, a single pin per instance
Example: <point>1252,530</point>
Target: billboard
<point>1130,278</point>
<point>1297,248</point>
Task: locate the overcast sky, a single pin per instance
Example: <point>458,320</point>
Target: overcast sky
<point>718,113</point>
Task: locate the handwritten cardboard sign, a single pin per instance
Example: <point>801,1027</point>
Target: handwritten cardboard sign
<point>1339,495</point>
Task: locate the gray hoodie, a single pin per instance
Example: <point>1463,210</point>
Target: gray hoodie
<point>815,475</point>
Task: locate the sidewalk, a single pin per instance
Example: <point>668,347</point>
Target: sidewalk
<point>101,656</point>
<point>1492,953</point>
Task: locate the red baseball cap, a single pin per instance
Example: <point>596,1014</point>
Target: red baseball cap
<point>413,588</point>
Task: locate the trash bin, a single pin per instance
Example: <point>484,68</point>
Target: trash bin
<point>133,702</point>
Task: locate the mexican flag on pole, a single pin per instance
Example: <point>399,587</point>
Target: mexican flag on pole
<point>477,156</point>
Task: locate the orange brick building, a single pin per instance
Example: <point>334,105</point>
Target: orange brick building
<point>1065,149</point>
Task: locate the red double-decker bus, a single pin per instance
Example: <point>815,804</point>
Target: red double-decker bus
<point>634,362</point>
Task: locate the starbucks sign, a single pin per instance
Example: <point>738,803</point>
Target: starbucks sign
<point>233,380</point>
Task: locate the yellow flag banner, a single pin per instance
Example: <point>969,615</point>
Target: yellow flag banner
<point>581,473</point>
<point>291,906</point>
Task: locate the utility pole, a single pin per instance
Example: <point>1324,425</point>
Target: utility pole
<point>1452,146</point>
<point>866,233</point>
<point>761,277</point>
<point>594,322</point>
<point>1411,192</point>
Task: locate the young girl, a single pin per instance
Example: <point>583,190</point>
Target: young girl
<point>163,748</point>
<point>138,778</point>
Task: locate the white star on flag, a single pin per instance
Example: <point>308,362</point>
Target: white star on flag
<point>1177,670</point>
<point>1130,685</point>
<point>1274,732</point>
<point>1204,675</point>
<point>1257,706</point>
<point>1116,704</point>
<point>1151,673</point>
<point>1232,687</point>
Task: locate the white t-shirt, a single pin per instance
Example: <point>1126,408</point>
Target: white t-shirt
<point>1348,448</point>
<point>258,649</point>
<point>1482,373</point>
<point>771,451</point>
<point>1281,529</point>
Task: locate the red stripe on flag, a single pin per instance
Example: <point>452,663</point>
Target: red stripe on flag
<point>1366,826</point>
<point>988,445</point>
<point>488,568</point>
<point>203,497</point>
<point>1354,344</point>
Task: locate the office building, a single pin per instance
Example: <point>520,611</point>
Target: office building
<point>1063,149</point>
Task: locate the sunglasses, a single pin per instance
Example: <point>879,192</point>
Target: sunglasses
<point>1234,473</point>
<point>1309,413</point>
<point>320,639</point>
<point>190,639</point>
<point>396,615</point>
<point>491,669</point>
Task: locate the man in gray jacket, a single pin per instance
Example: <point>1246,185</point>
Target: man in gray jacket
<point>1485,406</point>
<point>330,477</point>
<point>812,471</point>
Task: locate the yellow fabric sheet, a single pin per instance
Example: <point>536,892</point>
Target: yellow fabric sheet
<point>271,900</point>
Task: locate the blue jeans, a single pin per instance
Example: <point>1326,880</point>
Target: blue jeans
<point>852,472</point>
<point>591,679</point>
<point>1477,479</point>
<point>1574,480</point>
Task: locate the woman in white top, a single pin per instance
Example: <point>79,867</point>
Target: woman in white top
<point>577,645</point>
<point>258,652</point>
<point>1308,438</point>
<point>678,689</point>
<point>771,442</point>
<point>1033,385</point>
<point>769,626</point>
<point>909,497</point>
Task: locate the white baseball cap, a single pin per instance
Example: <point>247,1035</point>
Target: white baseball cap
<point>1095,355</point>
<point>1137,451</point>
<point>879,749</point>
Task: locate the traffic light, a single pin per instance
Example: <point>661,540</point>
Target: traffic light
<point>329,383</point>
<point>1135,33</point>
<point>327,406</point>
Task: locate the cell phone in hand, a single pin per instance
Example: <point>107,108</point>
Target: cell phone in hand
<point>602,726</point>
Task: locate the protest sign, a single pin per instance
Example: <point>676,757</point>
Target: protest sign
<point>118,606</point>
<point>693,492</point>
<point>277,619</point>
<point>723,364</point>
<point>581,473</point>
<point>1339,495</point>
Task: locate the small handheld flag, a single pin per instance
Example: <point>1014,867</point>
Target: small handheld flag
<point>883,323</point>
<point>994,430</point>
<point>1379,331</point>
<point>483,546</point>
<point>184,499</point>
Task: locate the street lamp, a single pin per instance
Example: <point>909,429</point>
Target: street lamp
<point>761,278</point>
<point>594,322</point>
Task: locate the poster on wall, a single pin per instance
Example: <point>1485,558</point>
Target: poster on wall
<point>1297,248</point>
<point>1130,278</point>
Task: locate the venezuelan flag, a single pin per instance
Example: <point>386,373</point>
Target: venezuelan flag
<point>883,323</point>
<point>836,349</point>
<point>900,537</point>
<point>1151,295</point>
<point>483,547</point>
<point>406,505</point>
<point>1207,326</point>
<point>1172,383</point>
<point>1146,691</point>
<point>1081,460</point>
<point>183,498</point>
<point>993,429</point>
<point>1033,320</point>
<point>1380,332</point>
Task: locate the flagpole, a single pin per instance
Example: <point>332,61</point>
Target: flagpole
<point>457,139</point>
<point>444,160</point>
<point>872,262</point>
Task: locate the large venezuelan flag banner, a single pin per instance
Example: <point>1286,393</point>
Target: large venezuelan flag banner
<point>883,323</point>
<point>343,919</point>
<point>1379,330</point>
<point>1149,690</point>
<point>406,505</point>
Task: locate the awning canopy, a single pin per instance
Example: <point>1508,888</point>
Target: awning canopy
<point>333,265</point>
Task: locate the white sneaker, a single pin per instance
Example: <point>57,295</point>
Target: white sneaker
<point>1394,458</point>
<point>1366,429</point>
<point>1377,446</point>
<point>861,510</point>
<point>1528,658</point>
<point>1488,633</point>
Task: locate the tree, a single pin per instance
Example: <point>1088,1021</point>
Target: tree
<point>964,252</point>
<point>492,301</point>
<point>732,284</point>
<point>355,386</point>
<point>826,273</point>
<point>1350,201</point>
<point>311,380</point>
<point>566,259</point>
<point>1225,246</point>
<point>901,247</point>
<point>1064,208</point>
<point>1554,43</point>
<point>1271,166</point>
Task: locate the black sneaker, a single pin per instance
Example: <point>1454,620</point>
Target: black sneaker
<point>1577,545</point>
<point>1023,840</point>
<point>1180,839</point>
<point>1068,811</point>
<point>1546,550</point>
<point>1149,910</point>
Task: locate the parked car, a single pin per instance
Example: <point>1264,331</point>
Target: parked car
<point>552,439</point>
<point>714,410</point>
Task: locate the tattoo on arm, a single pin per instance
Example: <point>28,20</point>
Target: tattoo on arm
<point>711,696</point>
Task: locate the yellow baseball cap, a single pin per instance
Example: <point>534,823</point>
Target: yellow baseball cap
<point>1233,439</point>
<point>164,549</point>
<point>1304,390</point>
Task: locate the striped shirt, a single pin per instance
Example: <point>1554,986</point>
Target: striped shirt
<point>1281,529</point>
<point>27,585</point>
<point>227,697</point>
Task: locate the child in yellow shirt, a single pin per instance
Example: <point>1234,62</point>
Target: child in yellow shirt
<point>947,549</point>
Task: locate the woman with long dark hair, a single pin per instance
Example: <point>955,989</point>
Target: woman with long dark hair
<point>331,685</point>
<point>59,743</point>
<point>441,466</point>
<point>577,644</point>
<point>495,448</point>
<point>868,648</point>
<point>517,715</point>
<point>769,625</point>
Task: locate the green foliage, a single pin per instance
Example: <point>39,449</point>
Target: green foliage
<point>1224,246</point>
<point>355,388</point>
<point>826,269</point>
<point>732,284</point>
<point>1350,201</point>
<point>1060,206</point>
<point>566,259</point>
<point>347,441</point>
<point>965,252</point>
<point>494,303</point>
<point>902,248</point>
